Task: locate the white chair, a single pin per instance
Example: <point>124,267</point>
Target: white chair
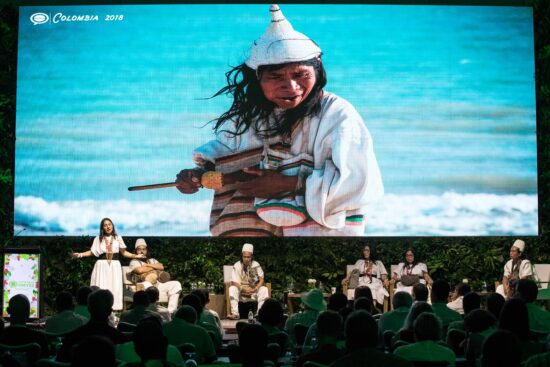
<point>542,275</point>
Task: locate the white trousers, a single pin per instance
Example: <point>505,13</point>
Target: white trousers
<point>169,291</point>
<point>235,294</point>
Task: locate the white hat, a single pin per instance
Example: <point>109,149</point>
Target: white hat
<point>140,242</point>
<point>247,247</point>
<point>281,44</point>
<point>519,244</point>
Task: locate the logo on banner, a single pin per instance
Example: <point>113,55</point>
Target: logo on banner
<point>39,18</point>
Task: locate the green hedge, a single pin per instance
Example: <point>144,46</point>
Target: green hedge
<point>284,260</point>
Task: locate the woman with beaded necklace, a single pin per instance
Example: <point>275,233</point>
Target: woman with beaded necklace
<point>107,273</point>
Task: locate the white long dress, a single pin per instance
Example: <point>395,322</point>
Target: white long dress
<point>417,269</point>
<point>108,274</point>
<point>373,280</point>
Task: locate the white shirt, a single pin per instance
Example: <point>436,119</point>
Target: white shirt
<point>99,249</point>
<point>249,276</point>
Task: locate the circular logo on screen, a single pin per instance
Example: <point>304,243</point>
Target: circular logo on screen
<point>39,18</point>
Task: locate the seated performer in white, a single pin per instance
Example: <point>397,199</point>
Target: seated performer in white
<point>410,272</point>
<point>247,282</point>
<point>371,273</point>
<point>515,269</point>
<point>147,269</point>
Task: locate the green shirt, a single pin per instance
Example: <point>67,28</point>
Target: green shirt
<point>539,320</point>
<point>426,351</point>
<point>393,320</point>
<point>539,360</point>
<point>179,331</point>
<point>445,314</point>
<point>82,311</point>
<point>307,318</point>
<point>126,352</point>
<point>136,314</point>
<point>370,357</point>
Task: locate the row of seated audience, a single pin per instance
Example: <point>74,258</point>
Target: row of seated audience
<point>504,333</point>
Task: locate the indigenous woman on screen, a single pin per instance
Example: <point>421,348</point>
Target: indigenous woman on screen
<point>410,272</point>
<point>107,273</point>
<point>289,158</point>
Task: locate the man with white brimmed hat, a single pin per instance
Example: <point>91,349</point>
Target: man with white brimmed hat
<point>247,281</point>
<point>285,158</point>
<point>147,270</point>
<point>516,268</point>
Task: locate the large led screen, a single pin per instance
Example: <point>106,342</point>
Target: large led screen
<point>110,97</point>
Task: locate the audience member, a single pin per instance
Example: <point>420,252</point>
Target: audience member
<point>337,302</point>
<point>82,301</point>
<point>440,294</point>
<point>195,302</point>
<point>126,352</point>
<point>420,292</point>
<point>406,333</point>
<point>461,290</point>
<point>271,316</point>
<point>313,304</point>
<point>471,301</point>
<point>208,319</point>
<point>394,320</point>
<point>501,349</point>
<point>154,295</point>
<point>139,309</point>
<point>182,329</point>
<point>540,360</point>
<point>151,345</point>
<point>19,309</point>
<point>539,319</point>
<point>363,303</point>
<point>361,340</point>
<point>100,304</point>
<point>253,345</point>
<point>366,292</point>
<point>478,325</point>
<point>329,326</point>
<point>93,351</point>
<point>66,320</point>
<point>427,331</point>
<point>494,304</point>
<point>515,318</point>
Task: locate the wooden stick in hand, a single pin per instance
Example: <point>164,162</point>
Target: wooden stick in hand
<point>150,187</point>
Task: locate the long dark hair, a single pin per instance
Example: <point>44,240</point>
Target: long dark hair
<point>251,108</point>
<point>101,233</point>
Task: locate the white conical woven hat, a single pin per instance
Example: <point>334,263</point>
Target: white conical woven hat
<point>281,44</point>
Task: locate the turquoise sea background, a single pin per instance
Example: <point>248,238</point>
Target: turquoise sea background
<point>447,92</point>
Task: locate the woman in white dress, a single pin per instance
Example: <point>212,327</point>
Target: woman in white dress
<point>410,271</point>
<point>372,274</point>
<point>107,273</point>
